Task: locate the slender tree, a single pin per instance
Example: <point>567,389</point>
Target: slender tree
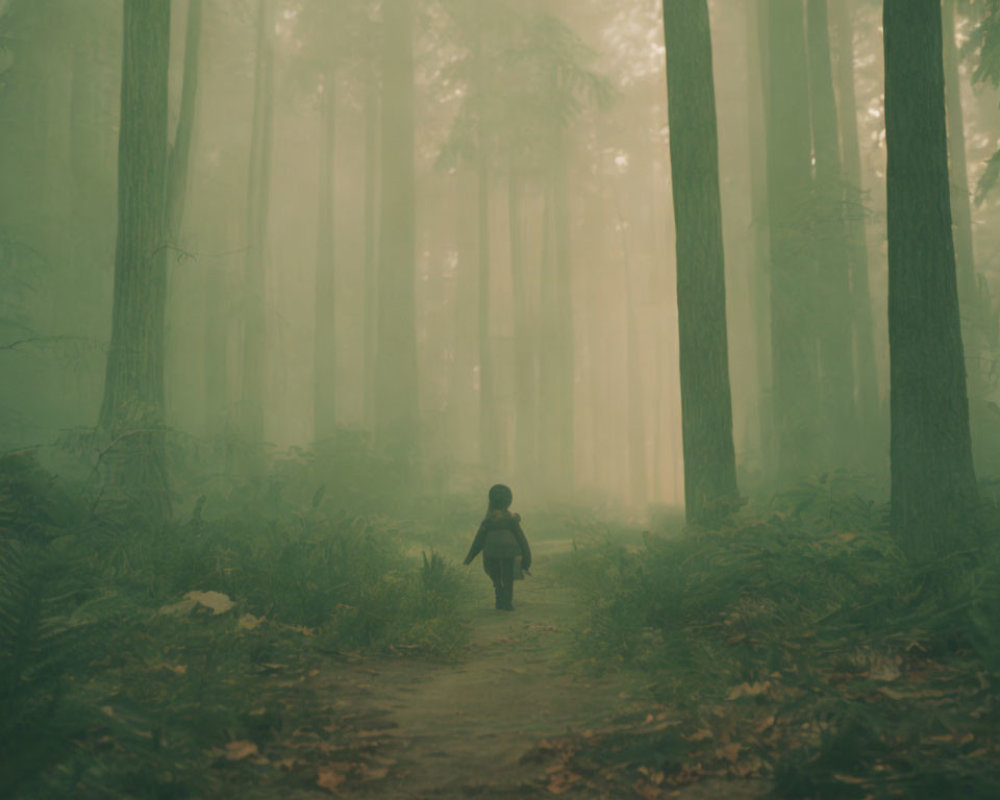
<point>251,410</point>
<point>132,411</point>
<point>396,401</point>
<point>871,417</point>
<point>756,26</point>
<point>842,436</point>
<point>933,481</point>
<point>325,349</point>
<point>789,180</point>
<point>706,404</point>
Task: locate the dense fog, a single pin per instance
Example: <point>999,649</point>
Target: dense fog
<point>291,290</point>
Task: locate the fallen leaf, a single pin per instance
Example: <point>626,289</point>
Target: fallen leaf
<point>847,778</point>
<point>729,752</point>
<point>749,689</point>
<point>329,778</point>
<point>239,749</point>
<point>700,735</point>
<point>248,622</point>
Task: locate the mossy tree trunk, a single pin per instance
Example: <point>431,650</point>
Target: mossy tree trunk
<point>132,413</point>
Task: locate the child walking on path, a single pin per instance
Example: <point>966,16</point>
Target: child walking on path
<point>501,540</point>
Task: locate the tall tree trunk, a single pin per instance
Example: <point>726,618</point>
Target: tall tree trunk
<point>864,340</point>
<point>258,198</point>
<point>526,429</point>
<point>842,435</point>
<point>636,416</point>
<point>794,357</point>
<point>706,404</point>
<point>371,241</point>
<point>132,411</point>
<point>488,454</point>
<point>961,211</point>
<point>396,397</point>
<point>180,153</point>
<point>325,350</point>
<point>933,481</point>
<point>562,455</point>
<point>756,24</point>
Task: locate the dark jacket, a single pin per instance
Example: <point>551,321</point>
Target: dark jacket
<point>500,536</point>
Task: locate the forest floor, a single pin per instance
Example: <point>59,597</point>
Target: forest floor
<point>500,722</point>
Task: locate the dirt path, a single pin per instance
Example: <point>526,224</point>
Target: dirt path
<point>463,730</point>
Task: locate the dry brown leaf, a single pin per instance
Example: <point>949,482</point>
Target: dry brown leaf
<point>329,778</point>
<point>847,778</point>
<point>239,749</point>
<point>248,622</point>
<point>700,735</point>
<point>749,689</point>
<point>729,752</point>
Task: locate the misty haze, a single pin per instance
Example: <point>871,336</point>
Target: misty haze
<point>499,399</point>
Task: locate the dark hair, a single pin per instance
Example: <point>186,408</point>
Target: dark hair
<point>500,497</point>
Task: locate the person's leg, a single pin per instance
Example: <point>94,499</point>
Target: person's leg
<point>508,583</point>
<point>495,571</point>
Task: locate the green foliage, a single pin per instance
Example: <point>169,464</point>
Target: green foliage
<point>811,615</point>
<point>115,682</point>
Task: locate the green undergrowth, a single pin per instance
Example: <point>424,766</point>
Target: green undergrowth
<point>799,645</point>
<point>130,658</point>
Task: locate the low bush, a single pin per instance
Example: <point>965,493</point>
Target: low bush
<point>802,636</point>
<point>127,657</point>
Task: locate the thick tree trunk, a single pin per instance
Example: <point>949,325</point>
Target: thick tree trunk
<point>132,411</point>
<point>961,211</point>
<point>843,434</point>
<point>933,482</point>
<point>706,404</point>
<point>325,347</point>
<point>794,356</point>
<point>869,407</point>
<point>396,396</point>
<point>258,197</point>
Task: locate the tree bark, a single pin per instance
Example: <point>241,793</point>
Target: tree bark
<point>133,407</point>
<point>843,434</point>
<point>933,490</point>
<point>706,404</point>
<point>180,153</point>
<point>961,211</point>
<point>396,397</point>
